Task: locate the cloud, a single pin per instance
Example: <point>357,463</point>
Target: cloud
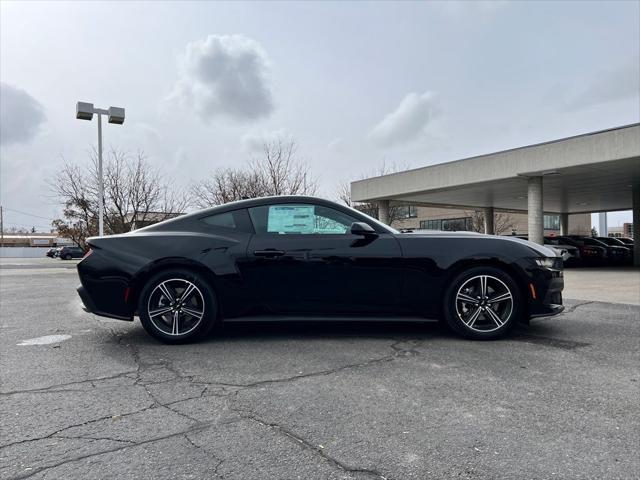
<point>609,85</point>
<point>336,145</point>
<point>20,115</point>
<point>407,122</point>
<point>225,75</point>
<point>254,141</point>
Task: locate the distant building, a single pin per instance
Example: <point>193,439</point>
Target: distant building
<point>35,240</point>
<point>626,230</point>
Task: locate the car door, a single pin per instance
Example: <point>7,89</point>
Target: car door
<point>304,260</point>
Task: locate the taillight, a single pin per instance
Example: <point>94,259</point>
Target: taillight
<point>88,252</point>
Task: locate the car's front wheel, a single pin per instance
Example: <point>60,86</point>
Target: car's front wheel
<point>177,306</point>
<point>483,303</point>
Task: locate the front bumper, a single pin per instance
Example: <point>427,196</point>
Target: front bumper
<point>551,310</point>
<point>546,293</point>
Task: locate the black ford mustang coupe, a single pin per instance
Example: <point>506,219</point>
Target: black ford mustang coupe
<point>304,258</point>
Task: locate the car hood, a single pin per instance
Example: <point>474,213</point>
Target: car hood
<point>537,249</point>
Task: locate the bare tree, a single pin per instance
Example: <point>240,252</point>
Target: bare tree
<point>396,210</point>
<point>502,222</point>
<point>134,193</point>
<point>278,171</point>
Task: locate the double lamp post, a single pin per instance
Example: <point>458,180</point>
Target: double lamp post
<point>85,111</point>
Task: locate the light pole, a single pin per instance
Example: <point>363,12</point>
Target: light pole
<point>85,111</point>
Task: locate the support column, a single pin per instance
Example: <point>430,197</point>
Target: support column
<point>487,213</point>
<point>564,224</point>
<point>383,211</point>
<point>535,210</point>
<point>636,223</point>
<point>603,228</point>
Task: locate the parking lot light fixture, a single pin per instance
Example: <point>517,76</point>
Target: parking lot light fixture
<point>85,111</point>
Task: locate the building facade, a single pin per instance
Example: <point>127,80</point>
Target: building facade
<point>505,223</point>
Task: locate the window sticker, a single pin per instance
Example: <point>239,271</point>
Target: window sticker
<point>291,219</point>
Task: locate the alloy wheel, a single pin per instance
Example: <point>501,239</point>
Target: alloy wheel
<point>484,303</point>
<point>176,307</point>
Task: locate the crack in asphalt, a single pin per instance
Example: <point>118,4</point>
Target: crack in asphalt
<point>398,352</point>
<point>251,416</point>
<point>573,308</point>
<point>219,460</point>
<point>60,387</point>
<point>37,470</point>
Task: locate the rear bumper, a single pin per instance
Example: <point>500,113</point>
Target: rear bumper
<point>90,307</point>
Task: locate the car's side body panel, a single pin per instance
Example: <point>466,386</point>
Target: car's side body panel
<point>322,274</point>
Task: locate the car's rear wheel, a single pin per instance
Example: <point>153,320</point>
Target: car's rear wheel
<point>67,257</point>
<point>177,306</point>
<point>483,303</point>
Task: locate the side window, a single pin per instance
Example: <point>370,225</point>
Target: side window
<point>236,220</point>
<point>225,220</point>
<point>300,219</point>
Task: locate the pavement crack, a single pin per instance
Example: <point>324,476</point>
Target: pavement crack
<point>195,428</point>
<point>88,437</point>
<point>398,352</point>
<point>60,387</point>
<point>573,308</point>
<point>320,452</point>
<point>69,427</point>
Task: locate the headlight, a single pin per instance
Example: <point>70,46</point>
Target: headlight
<point>549,262</point>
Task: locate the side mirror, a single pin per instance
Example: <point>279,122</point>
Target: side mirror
<point>362,228</point>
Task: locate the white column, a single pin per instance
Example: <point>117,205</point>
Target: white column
<point>383,211</point>
<point>636,224</point>
<point>535,210</point>
<point>603,228</point>
<point>487,213</point>
<point>564,224</point>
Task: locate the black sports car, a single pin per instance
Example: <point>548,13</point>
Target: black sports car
<point>304,258</point>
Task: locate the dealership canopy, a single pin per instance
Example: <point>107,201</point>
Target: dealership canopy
<point>594,172</point>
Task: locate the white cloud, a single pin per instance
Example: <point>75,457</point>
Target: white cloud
<point>20,115</point>
<point>336,145</point>
<point>225,75</point>
<point>609,85</point>
<point>254,141</point>
<point>407,122</point>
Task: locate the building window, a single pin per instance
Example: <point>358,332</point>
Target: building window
<point>407,211</point>
<point>552,222</point>
<point>450,224</point>
<point>430,224</point>
<point>458,224</point>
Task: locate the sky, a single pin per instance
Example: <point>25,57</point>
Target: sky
<point>357,85</point>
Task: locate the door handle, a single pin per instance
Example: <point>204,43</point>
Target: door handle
<point>268,253</point>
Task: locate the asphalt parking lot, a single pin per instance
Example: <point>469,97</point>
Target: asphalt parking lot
<point>397,401</point>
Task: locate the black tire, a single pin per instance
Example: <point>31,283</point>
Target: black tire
<point>487,325</point>
<point>161,326</point>
<point>67,257</point>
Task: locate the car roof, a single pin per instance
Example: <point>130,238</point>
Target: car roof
<point>260,201</point>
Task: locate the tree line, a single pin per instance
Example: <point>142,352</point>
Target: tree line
<point>137,193</point>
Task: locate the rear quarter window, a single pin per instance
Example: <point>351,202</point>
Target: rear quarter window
<point>237,220</point>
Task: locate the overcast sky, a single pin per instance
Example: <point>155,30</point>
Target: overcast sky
<point>356,84</point>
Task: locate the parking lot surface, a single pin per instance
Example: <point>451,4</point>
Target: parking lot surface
<point>84,397</point>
